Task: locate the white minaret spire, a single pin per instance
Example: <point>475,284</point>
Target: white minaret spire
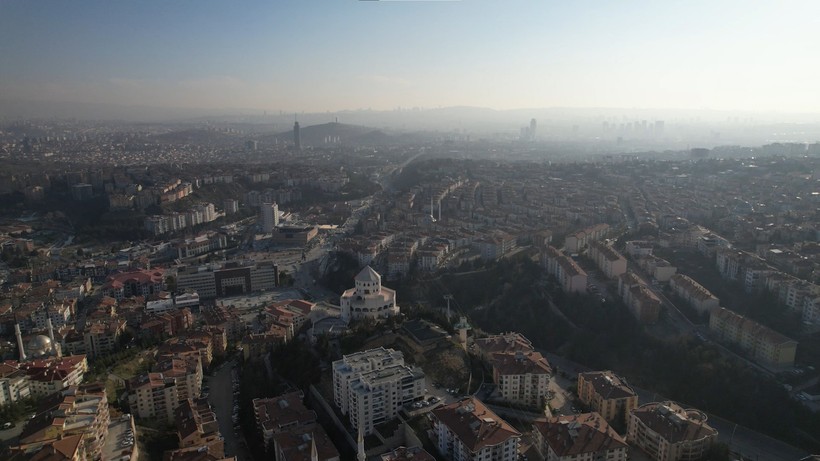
<point>51,336</point>
<point>360,455</point>
<point>20,342</point>
<point>314,455</point>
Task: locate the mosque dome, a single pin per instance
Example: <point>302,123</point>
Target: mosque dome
<point>39,346</point>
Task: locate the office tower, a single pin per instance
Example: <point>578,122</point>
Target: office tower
<point>297,137</point>
<point>270,216</point>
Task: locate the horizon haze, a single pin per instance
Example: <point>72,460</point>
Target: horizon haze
<point>198,58</point>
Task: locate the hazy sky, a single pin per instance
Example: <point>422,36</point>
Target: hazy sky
<point>309,55</point>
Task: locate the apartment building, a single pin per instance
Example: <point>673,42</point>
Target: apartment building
<point>50,375</point>
<point>609,261</point>
<point>368,299</point>
<point>100,338</point>
<point>581,437</point>
<point>281,414</point>
<point>186,372</point>
<point>503,343</point>
<point>80,411</point>
<point>763,344</point>
<point>521,374</point>
<point>701,299</point>
<point>469,431</point>
<point>660,269</point>
<point>372,386</point>
<point>152,395</point>
<point>668,432</point>
<point>14,386</point>
<point>637,296</point>
<point>134,283</point>
<point>639,248</point>
<point>407,454</point>
<point>197,426</point>
<point>522,377</point>
<point>575,242</point>
<point>304,443</point>
<point>572,278</point>
<point>607,394</point>
<point>199,245</point>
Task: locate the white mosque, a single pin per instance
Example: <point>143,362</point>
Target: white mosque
<point>369,299</point>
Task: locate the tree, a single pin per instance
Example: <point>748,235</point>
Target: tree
<point>171,283</point>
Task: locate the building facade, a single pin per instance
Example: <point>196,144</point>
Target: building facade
<point>581,437</point>
<point>668,432</point>
<point>469,431</point>
<point>370,387</point>
<point>607,394</point>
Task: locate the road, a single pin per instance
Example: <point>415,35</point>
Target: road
<point>221,399</point>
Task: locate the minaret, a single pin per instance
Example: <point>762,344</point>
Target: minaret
<point>51,337</point>
<point>314,455</point>
<point>20,342</point>
<point>439,210</point>
<point>360,455</point>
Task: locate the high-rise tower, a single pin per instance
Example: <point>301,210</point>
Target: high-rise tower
<point>297,137</point>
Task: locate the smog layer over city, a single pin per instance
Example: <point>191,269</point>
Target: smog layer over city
<point>336,230</point>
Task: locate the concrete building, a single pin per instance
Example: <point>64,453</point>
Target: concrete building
<point>269,216</point>
<point>100,338</point>
<point>14,386</point>
<point>369,299</point>
<point>134,283</point>
<point>637,296</point>
<point>304,443</point>
<point>609,261</point>
<point>230,205</point>
<point>658,268</point>
<point>152,396</point>
<point>763,344</point>
<point>668,432</point>
<point>372,386</point>
<point>469,431</point>
<point>201,244</point>
<point>407,454</point>
<point>228,279</point>
<point>575,242</point>
<point>639,248</point>
<point>580,437</point>
<point>49,375</point>
<point>197,426</point>
<point>572,278</point>
<point>78,411</point>
<point>701,299</point>
<point>293,235</point>
<point>521,374</point>
<point>281,414</point>
<point>521,377</point>
<point>607,394</point>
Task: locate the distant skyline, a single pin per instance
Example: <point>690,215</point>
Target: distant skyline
<point>316,56</point>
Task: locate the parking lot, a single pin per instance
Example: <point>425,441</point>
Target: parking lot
<point>120,440</point>
<point>221,395</point>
